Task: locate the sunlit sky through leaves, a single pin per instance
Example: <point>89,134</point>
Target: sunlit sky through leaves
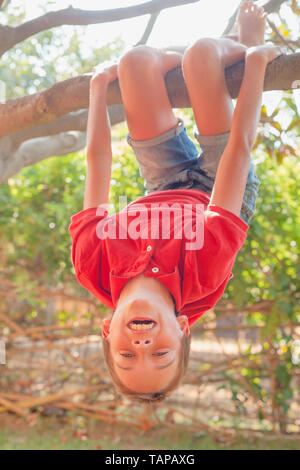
<point>177,25</point>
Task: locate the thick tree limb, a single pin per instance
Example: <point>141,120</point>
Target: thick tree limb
<point>10,36</point>
<point>281,74</point>
<point>35,150</point>
<point>73,94</point>
<point>60,137</point>
<point>74,121</point>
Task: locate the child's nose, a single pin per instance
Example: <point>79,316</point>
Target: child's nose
<point>142,343</point>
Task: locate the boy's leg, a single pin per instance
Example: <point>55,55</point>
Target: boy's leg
<point>211,101</point>
<point>158,138</point>
<point>204,66</point>
<point>144,94</point>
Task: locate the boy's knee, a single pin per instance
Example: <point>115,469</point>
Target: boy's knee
<point>203,52</point>
<point>138,59</point>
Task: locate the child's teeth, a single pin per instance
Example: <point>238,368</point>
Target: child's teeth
<point>141,326</point>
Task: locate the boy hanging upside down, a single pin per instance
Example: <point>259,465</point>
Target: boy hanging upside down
<point>158,286</point>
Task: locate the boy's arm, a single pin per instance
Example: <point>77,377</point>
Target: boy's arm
<point>232,173</point>
<point>99,153</point>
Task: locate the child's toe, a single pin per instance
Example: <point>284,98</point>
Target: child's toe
<point>244,6</point>
<point>263,13</point>
<point>260,11</point>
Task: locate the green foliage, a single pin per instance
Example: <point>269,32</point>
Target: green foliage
<point>38,204</point>
<point>267,267</point>
<point>49,56</point>
<point>39,65</point>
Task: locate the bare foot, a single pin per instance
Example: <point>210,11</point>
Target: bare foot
<point>267,53</point>
<point>251,23</point>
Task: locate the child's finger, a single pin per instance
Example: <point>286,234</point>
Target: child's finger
<point>114,71</point>
<point>279,51</point>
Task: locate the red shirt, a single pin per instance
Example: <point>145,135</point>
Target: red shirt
<point>195,278</point>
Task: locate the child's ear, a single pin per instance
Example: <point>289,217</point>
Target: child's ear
<point>184,324</point>
<point>105,327</point>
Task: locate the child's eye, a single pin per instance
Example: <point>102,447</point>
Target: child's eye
<point>161,353</point>
<point>126,354</point>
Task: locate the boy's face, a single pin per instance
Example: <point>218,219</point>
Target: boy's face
<point>145,341</point>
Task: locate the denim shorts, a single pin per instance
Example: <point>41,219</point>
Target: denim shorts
<point>172,161</point>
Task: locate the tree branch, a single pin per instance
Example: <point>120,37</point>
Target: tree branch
<point>281,38</point>
<point>34,150</point>
<point>273,5</point>
<point>4,4</point>
<point>66,134</point>
<point>148,29</point>
<point>10,36</point>
<point>74,121</point>
<point>73,94</point>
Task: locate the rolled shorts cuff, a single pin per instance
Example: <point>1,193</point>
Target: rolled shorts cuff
<point>159,139</point>
<point>213,140</point>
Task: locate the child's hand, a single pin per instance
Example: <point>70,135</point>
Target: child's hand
<point>102,72</point>
<point>266,53</point>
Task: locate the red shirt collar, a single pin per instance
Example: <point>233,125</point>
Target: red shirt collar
<point>170,280</point>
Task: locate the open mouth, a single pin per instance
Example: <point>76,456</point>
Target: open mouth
<point>141,325</point>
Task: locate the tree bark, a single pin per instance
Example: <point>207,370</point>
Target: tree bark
<point>60,137</point>
<point>73,94</point>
